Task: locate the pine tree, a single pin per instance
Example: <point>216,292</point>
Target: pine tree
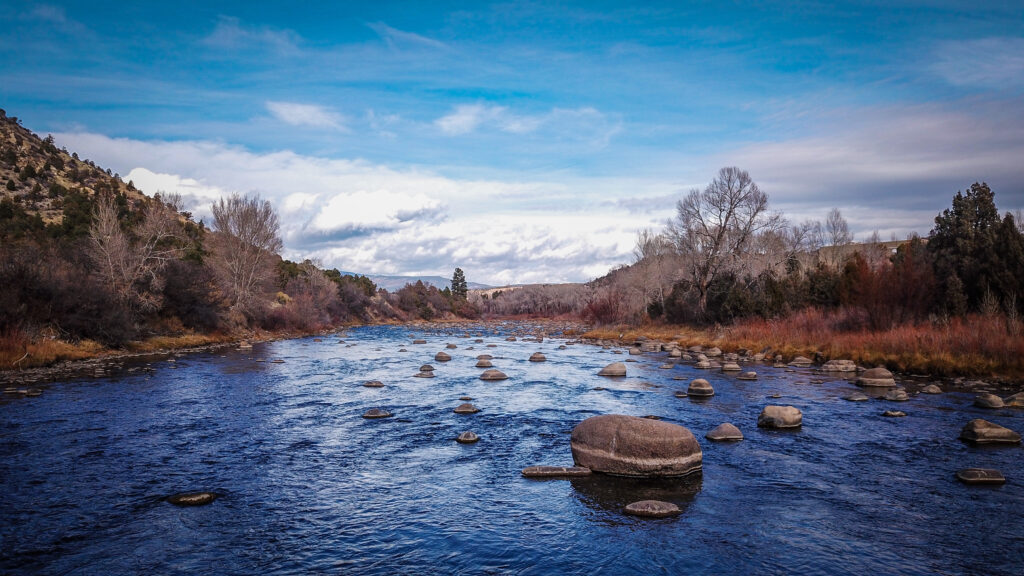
<point>459,287</point>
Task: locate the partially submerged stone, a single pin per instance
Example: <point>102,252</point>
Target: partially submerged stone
<point>442,357</point>
<point>652,509</point>
<point>1015,401</point>
<point>747,376</point>
<point>724,432</point>
<point>839,366</point>
<point>988,401</point>
<point>857,397</point>
<point>192,498</point>
<point>681,394</point>
<point>424,374</point>
<point>493,374</point>
<point>980,476</point>
<point>780,417</point>
<point>931,389</point>
<point>630,446</point>
<point>374,384</point>
<point>467,438</point>
<point>465,398</point>
<point>451,346</point>
<point>897,395</point>
<point>615,369</point>
<point>712,352</point>
<point>731,367</point>
<point>703,365</point>
<point>666,366</point>
<point>894,413</point>
<point>419,341</point>
<point>982,431</point>
<point>374,413</point>
<point>800,362</point>
<point>426,368</point>
<point>537,357</point>
<point>484,364</point>
<point>700,387</point>
<point>877,377</point>
<point>466,408</point>
<point>555,471</point>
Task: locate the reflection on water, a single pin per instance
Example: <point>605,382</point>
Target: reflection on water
<point>309,486</point>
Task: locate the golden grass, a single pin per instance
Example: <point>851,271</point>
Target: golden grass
<point>17,352</point>
<point>982,346</point>
<point>157,343</point>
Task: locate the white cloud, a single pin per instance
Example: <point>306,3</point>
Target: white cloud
<point>306,115</point>
<point>983,63</point>
<point>467,118</point>
<point>399,38</point>
<point>231,34</point>
<point>580,124</point>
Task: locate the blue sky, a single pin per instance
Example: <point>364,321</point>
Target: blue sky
<point>527,141</point>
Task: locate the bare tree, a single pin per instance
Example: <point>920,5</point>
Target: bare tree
<point>247,239</point>
<point>837,236</point>
<point>653,254</point>
<point>714,229</point>
<point>131,267</point>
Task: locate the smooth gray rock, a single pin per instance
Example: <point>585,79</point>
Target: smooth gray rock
<point>652,509</point>
<point>780,417</point>
<point>724,432</point>
<point>980,476</point>
<point>493,374</point>
<point>631,446</point>
<point>615,369</point>
<point>988,401</point>
<point>467,438</point>
<point>981,431</point>
<point>466,408</point>
<point>700,387</point>
<point>877,377</point>
<point>375,413</point>
<point>192,498</point>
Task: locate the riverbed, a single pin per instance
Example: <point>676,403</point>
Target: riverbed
<point>306,485</point>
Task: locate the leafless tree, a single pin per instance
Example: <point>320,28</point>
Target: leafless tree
<point>131,267</point>
<point>246,241</point>
<point>714,229</point>
<point>653,264</point>
<point>837,237</point>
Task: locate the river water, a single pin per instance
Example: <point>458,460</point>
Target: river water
<point>309,486</point>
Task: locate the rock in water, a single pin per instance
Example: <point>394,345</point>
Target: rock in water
<point>856,397</point>
<point>724,432</point>
<point>484,363</point>
<point>731,367</point>
<point>1015,401</point>
<point>931,389</point>
<point>839,366</point>
<point>700,387</point>
<point>894,413</point>
<point>780,417</point>
<point>614,369</point>
<point>493,374</point>
<point>451,346</point>
<point>375,413</point>
<point>897,395</point>
<point>984,432</point>
<point>980,476</point>
<point>424,375</point>
<point>426,368</point>
<point>554,471</point>
<point>988,401</point>
<point>374,384</point>
<point>747,376</point>
<point>800,362</point>
<point>652,509</point>
<point>630,446</point>
<point>467,438</point>
<point>442,357</point>
<point>419,341</point>
<point>877,377</point>
<point>537,357</point>
<point>466,408</point>
<point>192,498</point>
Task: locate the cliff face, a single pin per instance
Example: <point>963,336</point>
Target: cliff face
<point>45,181</point>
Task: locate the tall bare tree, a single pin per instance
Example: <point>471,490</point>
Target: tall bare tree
<point>714,229</point>
<point>246,241</point>
<point>838,237</point>
<point>130,266</point>
<point>652,261</point>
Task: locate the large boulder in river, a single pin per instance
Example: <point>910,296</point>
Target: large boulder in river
<point>493,374</point>
<point>780,417</point>
<point>984,432</point>
<point>931,389</point>
<point>442,357</point>
<point>613,369</point>
<point>537,357</point>
<point>631,446</point>
<point>724,432</point>
<point>1015,401</point>
<point>877,377</point>
<point>897,395</point>
<point>466,408</point>
<point>700,387</point>
<point>483,363</point>
<point>987,400</point>
<point>652,509</point>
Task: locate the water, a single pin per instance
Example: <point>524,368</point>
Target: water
<point>308,486</point>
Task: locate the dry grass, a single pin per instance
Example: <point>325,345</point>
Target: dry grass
<point>158,343</point>
<point>17,351</point>
<point>983,346</point>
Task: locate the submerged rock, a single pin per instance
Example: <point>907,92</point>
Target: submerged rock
<point>780,417</point>
<point>614,369</point>
<point>857,397</point>
<point>894,413</point>
<point>982,431</point>
<point>426,368</point>
<point>554,471</point>
<point>465,398</point>
<point>652,509</point>
<point>493,374</point>
<point>419,341</point>
<point>747,376</point>
<point>467,438</point>
<point>980,476</point>
<point>466,408</point>
<point>375,413</point>
<point>897,395</point>
<point>703,365</point>
<point>724,432</point>
<point>424,374</point>
<point>681,394</point>
<point>931,389</point>
<point>630,446</point>
<point>877,377</point>
<point>374,384</point>
<point>442,357</point>
<point>731,367</point>
<point>451,346</point>
<point>484,364</point>
<point>700,387</point>
<point>192,498</point>
<point>988,401</point>
<point>537,357</point>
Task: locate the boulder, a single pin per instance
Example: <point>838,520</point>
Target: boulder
<point>466,398</point>
<point>981,431</point>
<point>652,509</point>
<point>877,377</point>
<point>931,389</point>
<point>424,374</point>
<point>675,353</point>
<point>510,339</point>
<point>731,367</point>
<point>634,351</point>
<point>192,498</point>
<point>666,366</point>
<point>894,413</point>
<point>980,476</point>
<point>419,341</point>
<point>630,446</point>
<point>839,366</point>
<point>700,387</point>
<point>800,362</point>
<point>780,417</point>
<point>1015,401</point>
<point>466,408</point>
<point>724,432</point>
<point>537,357</point>
<point>375,413</point>
<point>426,368</point>
<point>613,369</point>
<point>554,471</point>
<point>712,352</point>
<point>857,397</point>
<point>467,438</point>
<point>703,365</point>
<point>483,364</point>
<point>747,376</point>
<point>493,374</point>
<point>897,395</point>
<point>374,384</point>
<point>988,401</point>
<point>442,357</point>
<point>451,346</point>
<point>485,357</point>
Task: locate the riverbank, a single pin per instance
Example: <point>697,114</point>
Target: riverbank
<point>975,347</point>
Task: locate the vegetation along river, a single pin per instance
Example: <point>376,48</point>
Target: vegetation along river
<point>307,485</point>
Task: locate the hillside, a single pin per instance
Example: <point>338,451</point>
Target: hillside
<point>37,179</point>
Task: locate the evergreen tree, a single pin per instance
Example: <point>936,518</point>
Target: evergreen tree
<point>459,287</point>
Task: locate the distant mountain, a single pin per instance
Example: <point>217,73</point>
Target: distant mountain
<point>393,283</point>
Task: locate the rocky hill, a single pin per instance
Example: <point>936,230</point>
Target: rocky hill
<point>48,186</point>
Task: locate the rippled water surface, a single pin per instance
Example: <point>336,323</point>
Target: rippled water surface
<point>309,486</point>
